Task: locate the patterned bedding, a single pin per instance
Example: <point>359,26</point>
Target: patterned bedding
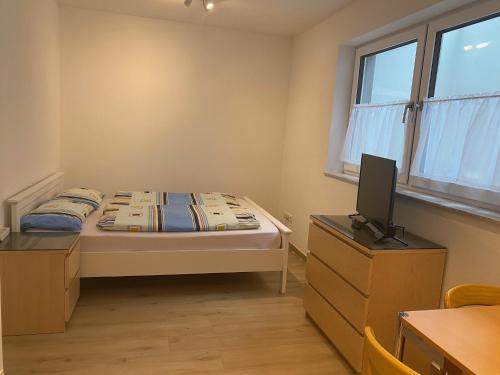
<point>151,198</point>
<point>176,212</point>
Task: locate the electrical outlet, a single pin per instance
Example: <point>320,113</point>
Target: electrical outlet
<point>287,217</point>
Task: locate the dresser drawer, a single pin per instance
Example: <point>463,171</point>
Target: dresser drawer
<point>71,297</point>
<point>347,300</point>
<point>351,264</point>
<point>72,265</point>
<point>345,338</point>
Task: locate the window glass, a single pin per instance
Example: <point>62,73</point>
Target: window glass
<point>380,81</point>
<point>468,60</point>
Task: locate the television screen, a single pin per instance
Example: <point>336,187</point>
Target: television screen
<point>377,184</point>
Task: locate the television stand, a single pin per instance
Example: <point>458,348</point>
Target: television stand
<point>359,222</point>
<point>391,238</point>
<point>392,235</point>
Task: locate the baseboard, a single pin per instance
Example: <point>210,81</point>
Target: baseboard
<point>296,250</point>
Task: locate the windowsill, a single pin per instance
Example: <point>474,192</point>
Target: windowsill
<point>430,199</point>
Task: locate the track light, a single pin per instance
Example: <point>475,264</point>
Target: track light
<point>208,5</point>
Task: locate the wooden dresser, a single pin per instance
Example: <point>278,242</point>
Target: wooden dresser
<point>40,282</point>
<point>352,283</point>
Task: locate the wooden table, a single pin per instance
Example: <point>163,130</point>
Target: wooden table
<point>468,337</point>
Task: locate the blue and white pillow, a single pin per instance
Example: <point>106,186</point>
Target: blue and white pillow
<point>84,195</point>
<point>57,215</point>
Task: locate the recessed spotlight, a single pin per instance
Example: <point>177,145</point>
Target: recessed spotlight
<point>468,47</point>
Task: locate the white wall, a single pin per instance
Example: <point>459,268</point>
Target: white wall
<point>29,95</point>
<point>161,105</point>
<point>142,97</point>
<point>474,244</point>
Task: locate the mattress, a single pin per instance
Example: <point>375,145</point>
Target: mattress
<point>92,239</point>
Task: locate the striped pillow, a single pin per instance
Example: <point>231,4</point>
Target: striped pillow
<point>84,195</point>
<point>57,214</point>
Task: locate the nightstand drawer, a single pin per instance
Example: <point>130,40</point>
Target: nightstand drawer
<point>347,300</point>
<point>349,263</point>
<point>345,338</point>
<point>71,297</point>
<point>72,265</point>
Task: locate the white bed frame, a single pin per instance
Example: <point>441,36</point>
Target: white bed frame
<point>171,262</point>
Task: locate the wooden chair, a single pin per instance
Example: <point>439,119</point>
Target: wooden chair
<point>380,361</point>
<point>467,295</point>
<point>472,294</point>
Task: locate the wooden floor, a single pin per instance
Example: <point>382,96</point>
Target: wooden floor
<point>203,324</point>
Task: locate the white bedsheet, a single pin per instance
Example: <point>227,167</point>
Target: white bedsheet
<point>92,239</point>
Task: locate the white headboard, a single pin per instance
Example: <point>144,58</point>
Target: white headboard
<point>26,200</point>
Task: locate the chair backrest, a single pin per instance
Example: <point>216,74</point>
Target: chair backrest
<point>472,294</point>
<point>380,361</point>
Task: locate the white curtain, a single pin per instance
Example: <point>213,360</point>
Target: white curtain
<point>377,130</point>
<point>459,146</point>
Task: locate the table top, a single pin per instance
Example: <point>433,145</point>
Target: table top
<point>37,241</point>
<point>364,237</point>
<point>468,336</point>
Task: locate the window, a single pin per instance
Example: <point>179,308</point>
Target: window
<point>381,98</point>
<point>429,98</point>
<point>465,58</point>
<point>379,82</point>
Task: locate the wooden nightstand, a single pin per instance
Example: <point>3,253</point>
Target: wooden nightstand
<point>40,281</point>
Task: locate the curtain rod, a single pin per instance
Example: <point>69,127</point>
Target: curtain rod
<point>381,105</point>
<point>450,99</point>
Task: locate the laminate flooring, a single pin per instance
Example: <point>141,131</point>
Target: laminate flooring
<point>196,324</point>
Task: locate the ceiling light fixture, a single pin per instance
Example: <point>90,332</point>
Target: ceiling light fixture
<point>470,47</point>
<point>208,5</point>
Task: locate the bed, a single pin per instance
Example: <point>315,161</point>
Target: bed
<point>108,254</point>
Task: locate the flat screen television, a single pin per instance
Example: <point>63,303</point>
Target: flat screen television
<point>377,187</point>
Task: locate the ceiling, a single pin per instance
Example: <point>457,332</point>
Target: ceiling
<point>281,17</point>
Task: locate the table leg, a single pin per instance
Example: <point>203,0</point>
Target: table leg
<point>450,369</point>
<point>400,342</point>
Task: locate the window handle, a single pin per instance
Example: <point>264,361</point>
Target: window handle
<point>408,107</point>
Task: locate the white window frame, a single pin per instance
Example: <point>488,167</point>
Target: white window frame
<point>463,17</point>
<point>469,15</point>
<point>425,35</point>
<point>417,34</point>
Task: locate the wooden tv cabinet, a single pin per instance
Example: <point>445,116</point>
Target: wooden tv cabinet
<point>353,282</point>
